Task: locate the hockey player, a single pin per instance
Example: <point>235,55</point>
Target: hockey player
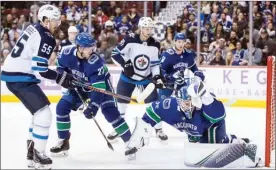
<point>85,65</point>
<point>29,56</point>
<point>174,62</point>
<point>195,111</point>
<point>138,55</point>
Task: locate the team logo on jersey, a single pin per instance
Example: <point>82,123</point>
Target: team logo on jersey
<point>141,62</point>
<point>93,59</point>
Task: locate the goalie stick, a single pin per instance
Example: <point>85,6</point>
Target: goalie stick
<point>83,101</point>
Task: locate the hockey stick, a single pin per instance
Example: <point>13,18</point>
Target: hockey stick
<point>150,79</point>
<point>83,101</point>
<point>88,86</point>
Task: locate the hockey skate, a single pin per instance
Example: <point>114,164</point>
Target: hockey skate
<point>61,149</point>
<point>139,138</point>
<point>161,135</point>
<point>41,160</point>
<point>30,153</point>
<point>113,137</point>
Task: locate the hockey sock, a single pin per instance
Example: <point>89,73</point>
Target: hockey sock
<point>151,117</point>
<point>42,122</point>
<point>63,126</point>
<point>122,129</point>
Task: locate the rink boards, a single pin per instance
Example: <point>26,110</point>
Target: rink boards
<point>244,86</point>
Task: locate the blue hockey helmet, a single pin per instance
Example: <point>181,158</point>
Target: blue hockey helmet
<point>185,103</point>
<point>85,40</point>
<point>179,36</point>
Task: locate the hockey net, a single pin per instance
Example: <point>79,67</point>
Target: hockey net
<point>270,112</point>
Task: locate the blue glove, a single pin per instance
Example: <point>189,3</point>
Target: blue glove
<point>199,74</point>
<point>91,110</point>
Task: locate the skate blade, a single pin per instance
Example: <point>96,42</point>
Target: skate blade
<point>60,154</point>
<point>43,166</point>
<point>164,142</point>
<point>131,157</point>
<point>31,164</point>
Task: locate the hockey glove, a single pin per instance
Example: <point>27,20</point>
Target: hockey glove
<point>65,80</point>
<point>90,111</point>
<point>128,68</point>
<point>158,81</point>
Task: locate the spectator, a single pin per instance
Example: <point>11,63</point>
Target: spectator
<point>233,39</point>
<point>83,7</point>
<point>105,52</point>
<point>227,25</point>
<point>82,26</point>
<point>245,39</point>
<point>108,34</point>
<point>188,46</point>
<point>242,23</point>
<point>214,45</point>
<point>256,56</point>
<point>192,25</point>
<point>206,55</point>
<point>267,46</point>
<point>206,9</point>
<point>5,38</point>
<point>12,33</point>
<point>229,59</point>
<point>111,8</point>
<point>178,25</point>
<point>219,32</point>
<point>8,22</point>
<point>213,22</point>
<point>206,35</point>
<point>101,18</point>
<point>14,13</point>
<point>238,52</point>
<point>133,16</point>
<point>218,60</point>
<point>23,22</point>
<point>185,16</point>
<point>124,27</point>
<point>118,15</point>
<point>167,43</point>
<point>73,14</point>
<point>271,30</point>
<point>69,7</point>
<point>6,49</point>
<point>184,29</point>
<point>258,21</point>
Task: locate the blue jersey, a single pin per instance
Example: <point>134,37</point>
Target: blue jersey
<point>172,62</point>
<point>29,56</point>
<point>92,70</point>
<point>169,111</point>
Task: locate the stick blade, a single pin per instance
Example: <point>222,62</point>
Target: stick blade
<point>148,90</point>
<point>110,146</point>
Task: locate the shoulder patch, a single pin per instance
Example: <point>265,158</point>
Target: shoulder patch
<point>170,51</point>
<point>93,59</point>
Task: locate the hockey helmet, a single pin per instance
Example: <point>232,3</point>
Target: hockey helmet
<point>49,11</point>
<point>85,40</point>
<point>145,22</point>
<point>179,36</point>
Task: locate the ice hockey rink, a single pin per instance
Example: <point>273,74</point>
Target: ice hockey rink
<point>89,150</point>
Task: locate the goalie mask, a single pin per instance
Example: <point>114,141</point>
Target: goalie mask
<point>185,103</point>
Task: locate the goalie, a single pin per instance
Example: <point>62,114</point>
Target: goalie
<point>198,113</point>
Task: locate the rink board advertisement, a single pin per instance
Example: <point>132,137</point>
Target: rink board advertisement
<point>246,86</point>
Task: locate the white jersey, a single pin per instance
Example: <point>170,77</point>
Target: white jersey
<point>143,55</point>
<point>30,55</point>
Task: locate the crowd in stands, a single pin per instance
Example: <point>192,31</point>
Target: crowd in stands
<point>224,27</point>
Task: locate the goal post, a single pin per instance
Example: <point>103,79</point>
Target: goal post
<point>270,112</point>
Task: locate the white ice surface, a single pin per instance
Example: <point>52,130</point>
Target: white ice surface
<point>89,150</point>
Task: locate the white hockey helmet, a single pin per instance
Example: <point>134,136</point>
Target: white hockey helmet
<point>145,22</point>
<point>49,11</point>
<point>73,29</point>
<point>108,23</point>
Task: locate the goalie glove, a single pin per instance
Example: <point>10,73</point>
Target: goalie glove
<point>199,94</point>
<point>199,74</point>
